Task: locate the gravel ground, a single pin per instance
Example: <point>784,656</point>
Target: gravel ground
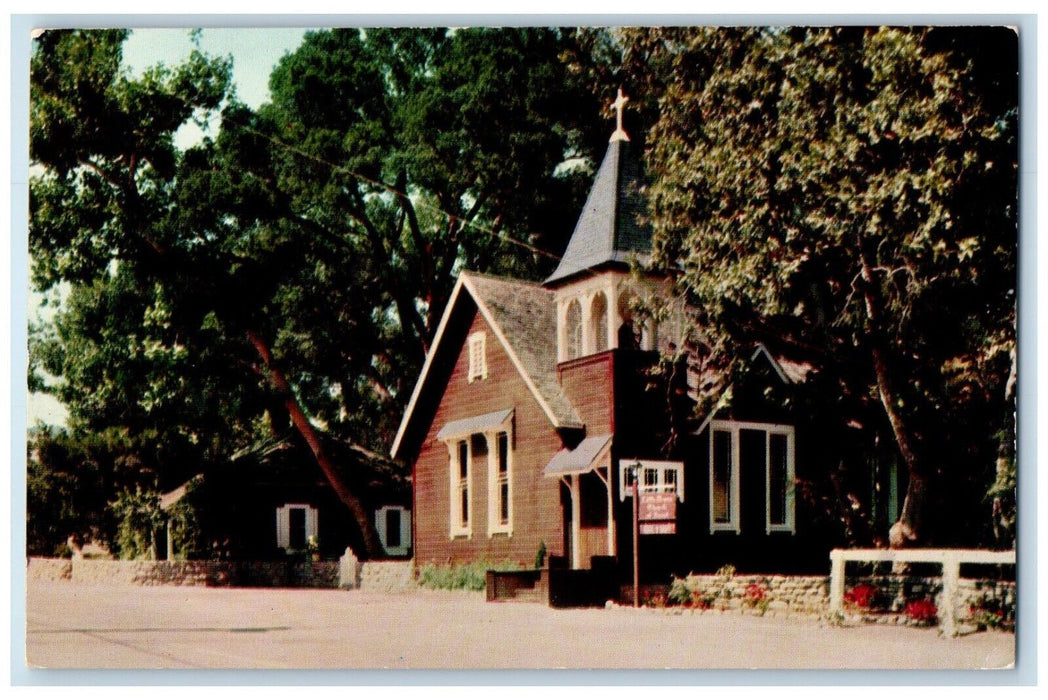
<point>93,627</point>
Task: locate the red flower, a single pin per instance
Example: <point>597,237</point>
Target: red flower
<point>861,596</point>
<point>923,611</point>
<point>754,593</point>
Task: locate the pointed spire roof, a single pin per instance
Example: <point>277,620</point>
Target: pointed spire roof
<point>608,230</point>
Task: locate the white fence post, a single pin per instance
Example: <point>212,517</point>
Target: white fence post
<point>951,572</point>
<point>949,559</point>
<point>836,581</point>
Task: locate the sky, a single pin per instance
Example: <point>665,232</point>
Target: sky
<point>255,52</point>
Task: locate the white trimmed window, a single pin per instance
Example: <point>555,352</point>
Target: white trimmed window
<point>654,477</point>
<point>393,524</point>
<point>500,483</point>
<point>599,321</point>
<point>478,358</point>
<point>296,524</point>
<point>471,443</point>
<point>769,447</point>
<point>724,478</point>
<point>573,330</point>
<point>461,458</point>
<point>779,480</point>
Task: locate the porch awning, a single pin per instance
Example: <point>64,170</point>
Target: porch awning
<point>474,424</point>
<point>582,459</point>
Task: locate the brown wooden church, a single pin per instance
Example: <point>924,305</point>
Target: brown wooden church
<point>537,399</point>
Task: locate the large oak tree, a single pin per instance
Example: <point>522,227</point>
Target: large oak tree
<point>856,189</point>
<point>293,266</point>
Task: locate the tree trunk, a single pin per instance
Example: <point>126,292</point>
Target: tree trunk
<point>1003,508</point>
<point>309,434</point>
<point>908,529</point>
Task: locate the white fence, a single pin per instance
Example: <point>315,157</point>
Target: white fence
<point>949,559</point>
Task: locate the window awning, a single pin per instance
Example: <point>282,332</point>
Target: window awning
<point>474,424</point>
<point>585,457</point>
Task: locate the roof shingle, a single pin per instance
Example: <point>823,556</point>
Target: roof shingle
<point>609,228</point>
<point>524,313</point>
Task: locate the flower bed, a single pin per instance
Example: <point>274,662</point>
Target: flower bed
<point>891,600</point>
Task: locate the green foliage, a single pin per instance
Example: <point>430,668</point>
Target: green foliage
<point>52,514</point>
<point>540,556</point>
<point>726,572</point>
<point>299,258</point>
<point>691,591</point>
<point>68,484</point>
<point>679,592</point>
<point>461,577</point>
<point>139,518</point>
<point>992,610</point>
<point>851,193</point>
<point>188,538</point>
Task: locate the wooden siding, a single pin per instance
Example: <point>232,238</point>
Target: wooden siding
<point>588,383</point>
<point>537,515</point>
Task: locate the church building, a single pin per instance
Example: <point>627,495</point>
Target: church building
<point>540,403</point>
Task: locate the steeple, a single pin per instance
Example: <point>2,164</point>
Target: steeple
<point>620,102</point>
<point>608,231</point>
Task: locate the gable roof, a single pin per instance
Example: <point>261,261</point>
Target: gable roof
<point>522,317</point>
<point>790,371</point>
<point>608,230</point>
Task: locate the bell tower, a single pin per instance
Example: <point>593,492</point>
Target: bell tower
<point>595,295</point>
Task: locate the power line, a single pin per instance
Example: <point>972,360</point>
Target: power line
<point>392,190</point>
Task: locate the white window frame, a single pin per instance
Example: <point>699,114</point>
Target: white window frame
<point>733,479</point>
<point>456,527</point>
<point>574,334</point>
<point>734,428</point>
<point>790,524</point>
<point>478,358</point>
<point>661,483</point>
<point>400,548</point>
<point>495,524</point>
<point>284,523</point>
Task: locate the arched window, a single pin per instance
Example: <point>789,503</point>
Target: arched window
<point>599,321</point>
<point>627,334</point>
<point>573,331</point>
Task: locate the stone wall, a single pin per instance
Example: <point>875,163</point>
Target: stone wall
<point>142,573</point>
<point>809,595</point>
<point>41,569</point>
<point>387,576</point>
<point>186,573</point>
<point>780,594</point>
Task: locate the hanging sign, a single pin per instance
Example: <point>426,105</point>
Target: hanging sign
<point>657,513</point>
<point>658,528</point>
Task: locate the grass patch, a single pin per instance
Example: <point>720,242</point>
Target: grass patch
<point>461,577</point>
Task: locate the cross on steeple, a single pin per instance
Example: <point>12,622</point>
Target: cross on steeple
<point>617,105</point>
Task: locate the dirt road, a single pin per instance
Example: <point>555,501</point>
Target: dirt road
<point>72,626</point>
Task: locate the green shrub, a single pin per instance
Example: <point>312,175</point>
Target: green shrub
<point>461,577</point>
<point>139,518</point>
<point>990,610</point>
<point>690,591</point>
<point>680,593</point>
<point>540,556</point>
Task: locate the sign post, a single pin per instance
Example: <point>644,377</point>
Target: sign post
<point>654,510</point>
<point>636,538</point>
